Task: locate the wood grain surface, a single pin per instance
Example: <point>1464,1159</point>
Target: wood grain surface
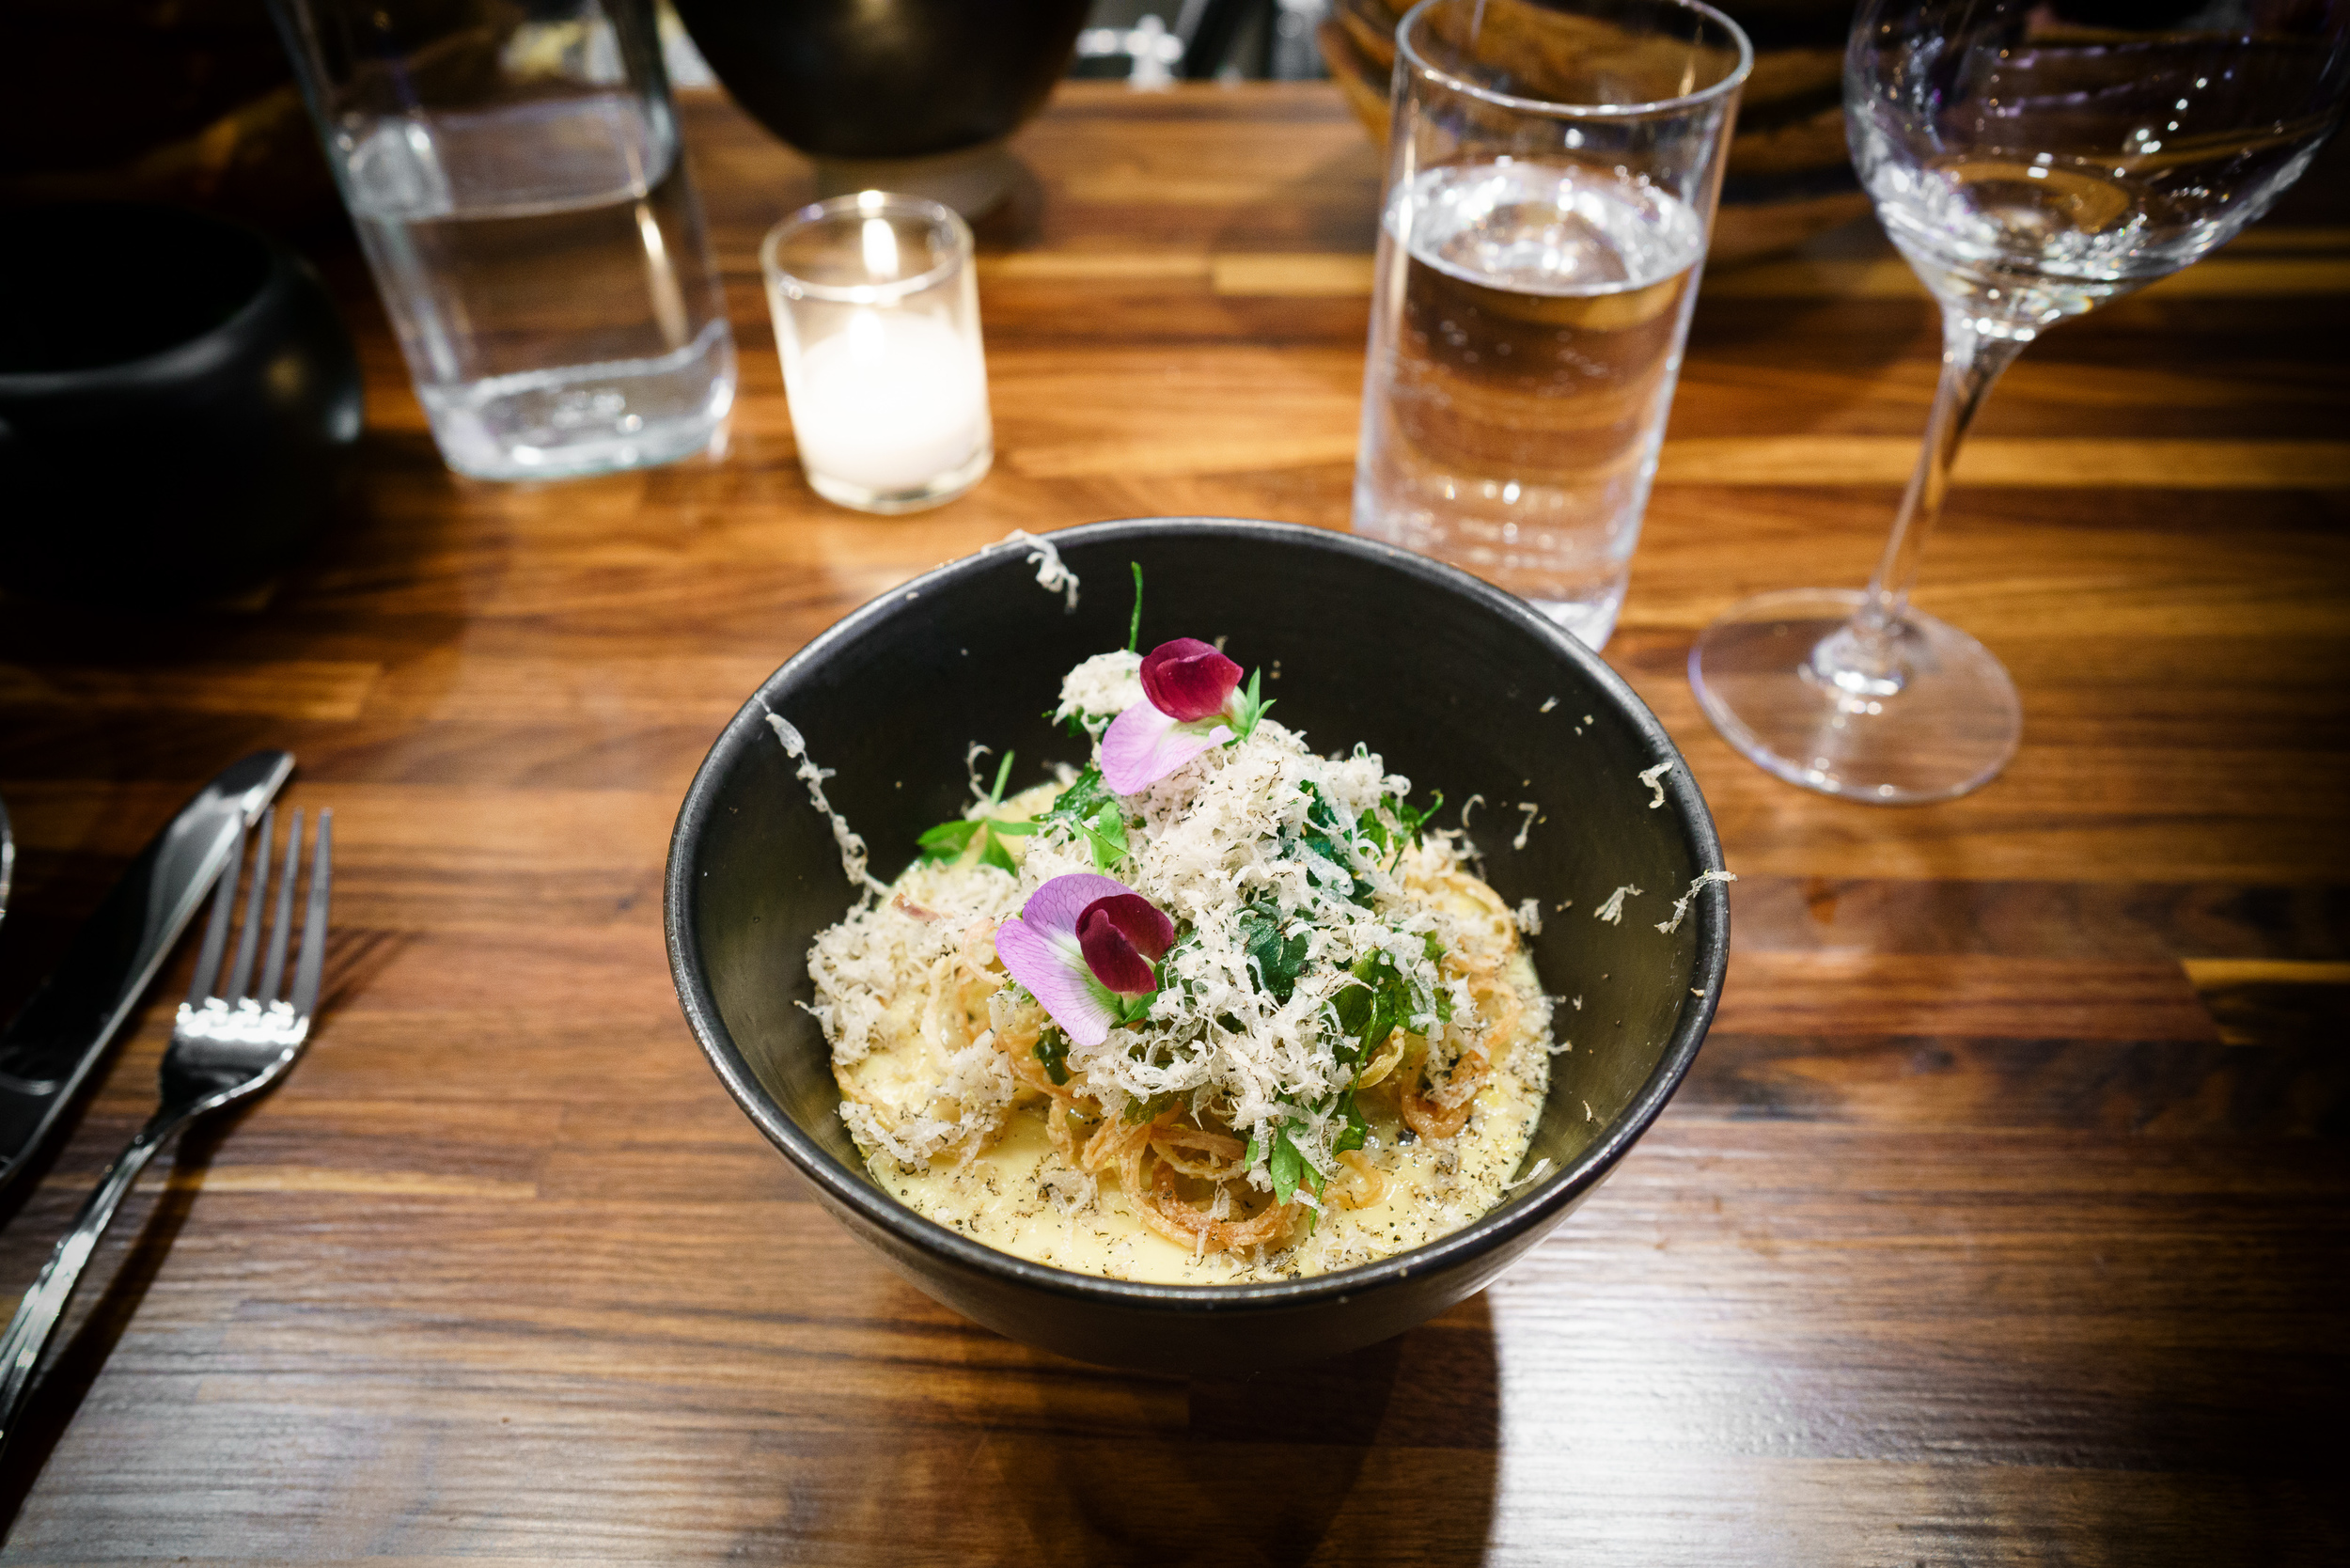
<point>2002,1219</point>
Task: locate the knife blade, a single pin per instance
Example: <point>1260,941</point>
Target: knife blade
<point>60,1034</point>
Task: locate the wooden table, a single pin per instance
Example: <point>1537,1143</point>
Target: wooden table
<point>2002,1218</point>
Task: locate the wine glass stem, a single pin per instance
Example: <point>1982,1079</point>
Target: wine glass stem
<point>1865,653</point>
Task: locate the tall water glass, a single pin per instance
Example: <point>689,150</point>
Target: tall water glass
<point>516,179</point>
<point>1552,172</point>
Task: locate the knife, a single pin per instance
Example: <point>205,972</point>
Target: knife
<point>59,1035</point>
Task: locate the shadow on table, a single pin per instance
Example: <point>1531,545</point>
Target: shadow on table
<point>1387,1455</point>
<point>96,1318</point>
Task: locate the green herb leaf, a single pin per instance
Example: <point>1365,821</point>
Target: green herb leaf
<point>1085,792</point>
<point>1276,959</point>
<point>1411,820</point>
<point>1329,835</point>
<point>1285,1165</point>
<point>1392,842</point>
<point>1134,627</point>
<point>1435,949</point>
<point>1381,1000</point>
<point>947,840</point>
<point>1052,1049</point>
<point>1357,1125</point>
<point>1089,806</point>
<point>1106,832</point>
<point>1251,710</point>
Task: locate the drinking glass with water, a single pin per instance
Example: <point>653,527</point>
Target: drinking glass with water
<point>1552,167</point>
<point>517,181</point>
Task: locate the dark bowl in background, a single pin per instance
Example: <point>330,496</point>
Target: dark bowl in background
<point>1444,676</point>
<point>875,79</point>
<point>177,398</point>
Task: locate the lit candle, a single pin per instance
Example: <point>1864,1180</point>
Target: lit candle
<point>891,402</point>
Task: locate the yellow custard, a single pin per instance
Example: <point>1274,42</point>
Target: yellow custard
<point>1018,1196</point>
<point>1325,1044</point>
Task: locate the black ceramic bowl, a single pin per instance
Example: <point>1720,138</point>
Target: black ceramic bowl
<point>177,401</point>
<point>1448,678</point>
<point>872,79</point>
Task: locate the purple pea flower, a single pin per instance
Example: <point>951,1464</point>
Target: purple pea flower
<point>1084,946</point>
<point>1188,688</point>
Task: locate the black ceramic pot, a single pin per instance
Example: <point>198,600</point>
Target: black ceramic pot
<point>1449,679</point>
<point>900,95</point>
<point>176,396</point>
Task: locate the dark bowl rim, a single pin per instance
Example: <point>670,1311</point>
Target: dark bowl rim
<point>177,362</point>
<point>1558,1190</point>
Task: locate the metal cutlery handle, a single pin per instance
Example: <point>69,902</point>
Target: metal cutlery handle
<point>49,1048</point>
<point>37,1315</point>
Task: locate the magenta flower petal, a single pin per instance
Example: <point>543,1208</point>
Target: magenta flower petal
<point>1120,937</point>
<point>1143,745</point>
<point>1112,958</point>
<point>1056,976</point>
<point>1053,909</point>
<point>1188,679</point>
<point>1138,920</point>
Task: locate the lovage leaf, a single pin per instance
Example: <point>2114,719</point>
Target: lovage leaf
<point>1251,710</point>
<point>1089,806</point>
<point>1329,836</point>
<point>1392,842</point>
<point>1287,1166</point>
<point>1106,833</point>
<point>1381,999</point>
<point>947,840</point>
<point>1357,1125</point>
<point>1085,794</point>
<point>1052,1049</point>
<point>1276,959</point>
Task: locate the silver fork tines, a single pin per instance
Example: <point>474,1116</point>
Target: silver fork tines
<point>227,1043</point>
<point>260,1013</point>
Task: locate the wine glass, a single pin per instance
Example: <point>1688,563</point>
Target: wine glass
<point>2031,162</point>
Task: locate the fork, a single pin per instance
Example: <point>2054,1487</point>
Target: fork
<point>227,1045</point>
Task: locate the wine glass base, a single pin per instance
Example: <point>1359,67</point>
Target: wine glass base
<point>1950,726</point>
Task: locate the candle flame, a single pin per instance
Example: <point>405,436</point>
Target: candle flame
<point>881,248</point>
<point>868,340</point>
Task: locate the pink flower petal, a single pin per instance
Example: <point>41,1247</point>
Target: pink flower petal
<point>1188,679</point>
<point>1056,976</point>
<point>1143,745</point>
<point>1053,909</point>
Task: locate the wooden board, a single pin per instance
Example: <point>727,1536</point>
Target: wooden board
<point>2002,1218</point>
